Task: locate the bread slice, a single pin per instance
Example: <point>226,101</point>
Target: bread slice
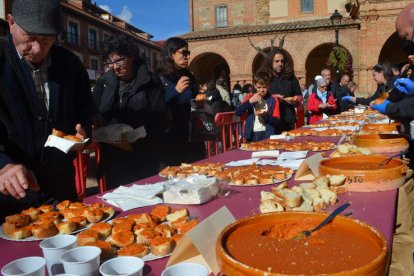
<point>119,227</point>
<point>22,233</point>
<point>104,229</point>
<point>87,236</point>
<point>339,189</point>
<point>122,238</point>
<point>336,180</point>
<point>365,151</point>
<point>297,189</point>
<point>321,181</point>
<point>186,227</point>
<point>107,251</point>
<point>161,246</point>
<point>319,204</point>
<point>292,199</point>
<point>19,220</point>
<point>344,149</point>
<point>32,212</point>
<point>307,186</point>
<point>135,249</point>
<point>328,196</point>
<point>44,229</point>
<point>304,207</point>
<point>161,212</point>
<point>310,195</point>
<point>66,227</point>
<point>266,196</point>
<point>144,236</point>
<point>177,214</point>
<point>269,206</point>
<point>93,215</point>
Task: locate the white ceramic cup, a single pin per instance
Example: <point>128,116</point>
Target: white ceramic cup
<point>82,260</point>
<point>185,269</point>
<point>29,266</point>
<point>53,248</point>
<point>127,266</point>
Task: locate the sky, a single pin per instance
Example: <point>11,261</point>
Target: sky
<point>161,18</point>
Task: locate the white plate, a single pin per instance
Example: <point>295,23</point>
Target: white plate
<point>32,238</point>
<point>254,185</point>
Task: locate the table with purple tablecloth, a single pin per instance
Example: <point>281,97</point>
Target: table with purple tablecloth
<point>377,209</point>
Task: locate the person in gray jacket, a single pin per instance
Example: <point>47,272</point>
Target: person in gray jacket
<point>225,95</point>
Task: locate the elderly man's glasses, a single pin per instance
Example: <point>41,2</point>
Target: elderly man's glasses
<point>323,86</point>
<point>120,62</point>
<point>185,53</point>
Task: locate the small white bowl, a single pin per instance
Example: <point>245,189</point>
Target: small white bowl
<point>124,265</point>
<point>185,269</point>
<point>29,266</point>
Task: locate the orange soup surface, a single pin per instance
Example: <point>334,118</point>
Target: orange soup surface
<point>273,247</point>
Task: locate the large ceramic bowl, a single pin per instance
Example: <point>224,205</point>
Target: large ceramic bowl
<point>381,128</point>
<point>382,143</point>
<point>364,173</point>
<point>265,245</point>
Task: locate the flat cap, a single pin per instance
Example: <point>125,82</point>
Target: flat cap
<point>40,17</point>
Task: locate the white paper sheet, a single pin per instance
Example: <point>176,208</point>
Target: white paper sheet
<point>293,155</point>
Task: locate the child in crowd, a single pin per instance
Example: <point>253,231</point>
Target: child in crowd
<point>263,116</point>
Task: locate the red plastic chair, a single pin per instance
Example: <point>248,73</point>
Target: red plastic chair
<point>229,124</point>
<point>81,164</point>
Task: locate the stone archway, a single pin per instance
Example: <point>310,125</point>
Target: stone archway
<point>392,50</point>
<point>318,60</point>
<point>210,66</point>
<point>259,58</point>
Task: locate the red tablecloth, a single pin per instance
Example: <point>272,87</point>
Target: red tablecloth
<point>377,209</point>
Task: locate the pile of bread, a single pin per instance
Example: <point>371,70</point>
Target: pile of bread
<point>307,197</point>
<point>313,132</point>
<point>334,124</point>
<point>185,170</point>
<point>47,220</point>
<point>291,146</point>
<point>139,234</point>
<point>254,175</point>
<point>348,149</point>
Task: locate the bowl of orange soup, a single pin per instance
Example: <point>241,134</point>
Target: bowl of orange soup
<point>364,174</point>
<point>382,143</point>
<point>265,245</point>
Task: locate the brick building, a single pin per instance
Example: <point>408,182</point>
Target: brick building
<point>221,30</point>
<point>86,28</point>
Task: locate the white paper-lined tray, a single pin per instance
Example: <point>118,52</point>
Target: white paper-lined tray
<point>64,145</point>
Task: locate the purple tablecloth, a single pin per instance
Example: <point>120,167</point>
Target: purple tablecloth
<point>377,209</point>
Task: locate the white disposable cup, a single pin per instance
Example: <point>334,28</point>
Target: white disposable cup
<point>29,266</point>
<point>82,260</point>
<point>185,269</point>
<point>53,248</point>
<point>127,266</point>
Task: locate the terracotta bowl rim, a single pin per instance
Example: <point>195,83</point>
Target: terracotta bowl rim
<point>372,229</point>
<point>373,156</point>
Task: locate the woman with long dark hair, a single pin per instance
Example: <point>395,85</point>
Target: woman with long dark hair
<point>383,76</point>
<point>180,87</point>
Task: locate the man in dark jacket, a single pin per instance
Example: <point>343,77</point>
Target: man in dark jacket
<point>42,86</point>
<point>285,86</point>
<point>129,94</point>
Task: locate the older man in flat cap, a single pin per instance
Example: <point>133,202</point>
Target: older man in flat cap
<point>42,86</point>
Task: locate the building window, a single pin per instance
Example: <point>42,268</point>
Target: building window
<point>94,64</point>
<point>221,16</point>
<point>73,32</point>
<point>92,39</point>
<point>105,38</point>
<point>307,6</point>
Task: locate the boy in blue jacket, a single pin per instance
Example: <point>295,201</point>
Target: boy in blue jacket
<point>263,115</point>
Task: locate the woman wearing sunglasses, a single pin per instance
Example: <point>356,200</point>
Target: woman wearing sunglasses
<point>180,88</point>
<point>322,103</point>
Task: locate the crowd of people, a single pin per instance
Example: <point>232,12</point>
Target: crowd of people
<point>44,86</point>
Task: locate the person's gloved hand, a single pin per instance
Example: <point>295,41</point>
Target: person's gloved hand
<point>405,85</point>
<point>347,98</point>
<point>381,107</point>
